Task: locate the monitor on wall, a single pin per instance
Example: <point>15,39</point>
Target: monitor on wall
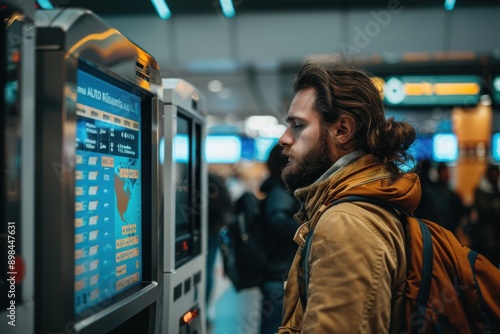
<point>223,149</point>
<point>445,147</point>
<point>420,150</point>
<point>495,147</point>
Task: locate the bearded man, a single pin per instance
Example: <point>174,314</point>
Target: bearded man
<point>339,143</point>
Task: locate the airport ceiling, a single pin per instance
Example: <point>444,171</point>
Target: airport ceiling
<point>205,7</point>
<point>255,90</point>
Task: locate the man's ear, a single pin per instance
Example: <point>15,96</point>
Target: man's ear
<point>345,127</point>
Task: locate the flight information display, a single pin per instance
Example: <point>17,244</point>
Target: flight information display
<point>108,242</point>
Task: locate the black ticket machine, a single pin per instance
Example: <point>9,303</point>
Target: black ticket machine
<point>96,225</point>
<point>184,198</point>
<point>16,160</point>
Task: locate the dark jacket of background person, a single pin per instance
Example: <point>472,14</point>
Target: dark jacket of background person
<point>439,202</point>
<point>427,208</point>
<point>279,206</point>
<point>485,237</point>
<point>219,210</point>
<point>451,208</point>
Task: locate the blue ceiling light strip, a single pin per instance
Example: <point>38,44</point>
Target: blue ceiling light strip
<point>162,8</point>
<point>45,4</point>
<point>227,8</point>
<point>449,4</point>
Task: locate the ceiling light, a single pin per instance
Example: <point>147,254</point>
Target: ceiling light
<point>227,8</point>
<point>45,4</point>
<point>162,8</point>
<point>215,86</point>
<point>449,4</point>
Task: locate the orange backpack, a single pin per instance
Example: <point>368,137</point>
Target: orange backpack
<point>449,287</point>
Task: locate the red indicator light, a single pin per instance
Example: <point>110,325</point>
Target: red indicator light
<point>15,57</point>
<point>185,246</point>
<point>188,316</point>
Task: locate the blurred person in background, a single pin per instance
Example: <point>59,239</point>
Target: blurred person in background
<point>439,202</point>
<point>455,215</point>
<point>454,212</point>
<point>485,236</point>
<point>219,213</point>
<point>278,207</point>
<point>427,208</point>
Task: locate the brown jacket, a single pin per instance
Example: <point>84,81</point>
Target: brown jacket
<point>357,259</point>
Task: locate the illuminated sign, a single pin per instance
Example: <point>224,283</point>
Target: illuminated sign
<point>432,90</point>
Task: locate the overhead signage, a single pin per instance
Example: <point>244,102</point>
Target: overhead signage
<point>439,90</point>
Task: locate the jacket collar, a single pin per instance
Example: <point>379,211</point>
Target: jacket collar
<point>342,162</point>
<point>362,175</point>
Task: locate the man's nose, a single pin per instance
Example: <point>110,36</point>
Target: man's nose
<point>285,139</point>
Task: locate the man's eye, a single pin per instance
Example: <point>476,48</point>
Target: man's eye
<point>298,126</point>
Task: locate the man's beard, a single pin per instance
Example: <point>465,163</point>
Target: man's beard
<point>308,168</point>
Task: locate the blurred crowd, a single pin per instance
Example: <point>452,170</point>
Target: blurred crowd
<point>476,225</point>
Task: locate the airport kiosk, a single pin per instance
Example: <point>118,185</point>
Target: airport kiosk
<point>17,76</point>
<point>184,208</point>
<point>96,225</point>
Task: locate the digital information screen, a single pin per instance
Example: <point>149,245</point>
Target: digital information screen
<point>439,90</point>
<point>108,211</point>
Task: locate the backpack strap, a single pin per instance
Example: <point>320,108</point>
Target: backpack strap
<point>423,294</point>
<point>472,256</point>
